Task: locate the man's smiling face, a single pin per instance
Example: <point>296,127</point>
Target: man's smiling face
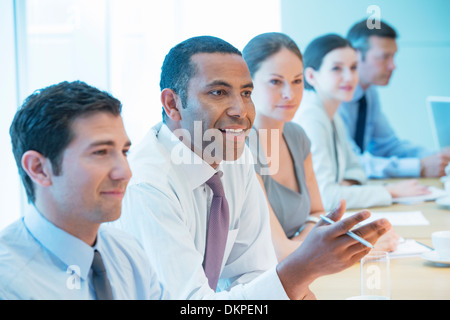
<point>219,102</point>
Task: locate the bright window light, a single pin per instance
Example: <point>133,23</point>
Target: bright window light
<point>118,46</point>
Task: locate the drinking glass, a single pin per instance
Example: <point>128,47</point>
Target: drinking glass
<point>375,276</point>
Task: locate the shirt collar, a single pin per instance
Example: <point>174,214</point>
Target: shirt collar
<point>69,249</point>
<point>196,170</point>
<point>359,92</point>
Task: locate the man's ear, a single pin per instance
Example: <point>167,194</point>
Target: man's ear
<point>309,76</point>
<point>37,167</point>
<point>172,104</point>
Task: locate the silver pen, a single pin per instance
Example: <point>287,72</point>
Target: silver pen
<point>349,233</point>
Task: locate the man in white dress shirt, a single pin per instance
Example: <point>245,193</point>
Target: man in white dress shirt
<point>70,146</point>
<point>208,112</point>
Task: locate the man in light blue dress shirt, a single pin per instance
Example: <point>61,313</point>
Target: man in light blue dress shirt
<point>208,112</point>
<point>382,153</point>
<point>70,146</point>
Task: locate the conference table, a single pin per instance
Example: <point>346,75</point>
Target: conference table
<point>412,277</point>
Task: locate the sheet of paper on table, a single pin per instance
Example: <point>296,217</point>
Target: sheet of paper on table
<point>409,248</point>
<point>397,218</point>
<point>435,194</point>
<point>406,247</point>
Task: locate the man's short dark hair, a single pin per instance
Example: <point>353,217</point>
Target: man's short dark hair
<point>44,122</point>
<point>359,34</point>
<point>178,69</point>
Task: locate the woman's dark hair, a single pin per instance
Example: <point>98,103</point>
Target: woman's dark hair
<point>44,122</point>
<point>265,45</point>
<point>319,48</point>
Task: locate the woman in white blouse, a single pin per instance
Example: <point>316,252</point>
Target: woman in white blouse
<point>331,77</point>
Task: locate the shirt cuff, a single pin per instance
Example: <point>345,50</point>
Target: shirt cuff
<point>392,167</point>
<point>405,167</point>
<point>267,286</point>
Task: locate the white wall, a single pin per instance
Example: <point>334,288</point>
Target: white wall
<point>10,187</point>
<point>115,45</point>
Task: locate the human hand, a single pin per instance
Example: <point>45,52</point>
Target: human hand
<point>388,242</point>
<point>434,165</point>
<point>407,188</point>
<point>309,295</point>
<point>349,183</point>
<point>328,249</point>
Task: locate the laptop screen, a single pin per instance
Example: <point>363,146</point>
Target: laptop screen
<point>439,111</point>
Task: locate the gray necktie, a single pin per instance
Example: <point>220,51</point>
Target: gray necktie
<point>218,225</point>
<point>101,283</point>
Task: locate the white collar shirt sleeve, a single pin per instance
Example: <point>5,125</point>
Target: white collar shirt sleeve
<point>166,208</point>
<point>334,160</point>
